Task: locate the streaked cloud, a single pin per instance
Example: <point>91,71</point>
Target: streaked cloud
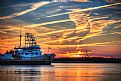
<point>33,7</point>
<point>82,0</point>
<point>89,44</point>
<point>47,23</point>
<point>87,9</point>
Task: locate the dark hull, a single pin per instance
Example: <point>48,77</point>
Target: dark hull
<point>23,62</point>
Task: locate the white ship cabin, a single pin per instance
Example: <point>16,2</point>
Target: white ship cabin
<point>29,53</point>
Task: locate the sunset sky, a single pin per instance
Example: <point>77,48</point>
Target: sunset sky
<point>68,27</point>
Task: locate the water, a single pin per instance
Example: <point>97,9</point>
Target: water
<point>62,72</point>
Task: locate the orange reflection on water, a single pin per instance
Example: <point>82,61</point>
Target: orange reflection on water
<point>76,72</point>
<point>62,72</point>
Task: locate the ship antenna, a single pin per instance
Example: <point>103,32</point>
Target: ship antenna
<point>49,50</point>
<point>20,34</point>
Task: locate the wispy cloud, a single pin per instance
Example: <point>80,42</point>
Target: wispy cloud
<point>33,7</point>
<point>64,31</point>
<point>89,44</point>
<point>87,9</point>
<point>47,23</point>
<point>82,0</point>
<point>62,39</point>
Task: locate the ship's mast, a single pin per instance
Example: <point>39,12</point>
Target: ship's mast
<point>20,35</point>
<point>30,39</point>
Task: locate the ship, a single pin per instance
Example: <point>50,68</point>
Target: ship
<point>30,54</point>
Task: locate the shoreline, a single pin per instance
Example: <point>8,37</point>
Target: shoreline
<point>87,60</point>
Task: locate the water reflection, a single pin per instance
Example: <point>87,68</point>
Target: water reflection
<point>62,72</point>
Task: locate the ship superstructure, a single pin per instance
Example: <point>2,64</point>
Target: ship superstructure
<point>30,52</point>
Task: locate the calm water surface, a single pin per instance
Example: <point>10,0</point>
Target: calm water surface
<point>62,72</point>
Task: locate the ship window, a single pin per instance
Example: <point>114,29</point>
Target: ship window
<point>29,51</point>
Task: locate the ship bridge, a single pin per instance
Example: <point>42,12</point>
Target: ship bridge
<point>34,47</point>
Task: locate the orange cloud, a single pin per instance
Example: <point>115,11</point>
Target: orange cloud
<point>80,19</point>
<point>47,23</point>
<point>82,0</point>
